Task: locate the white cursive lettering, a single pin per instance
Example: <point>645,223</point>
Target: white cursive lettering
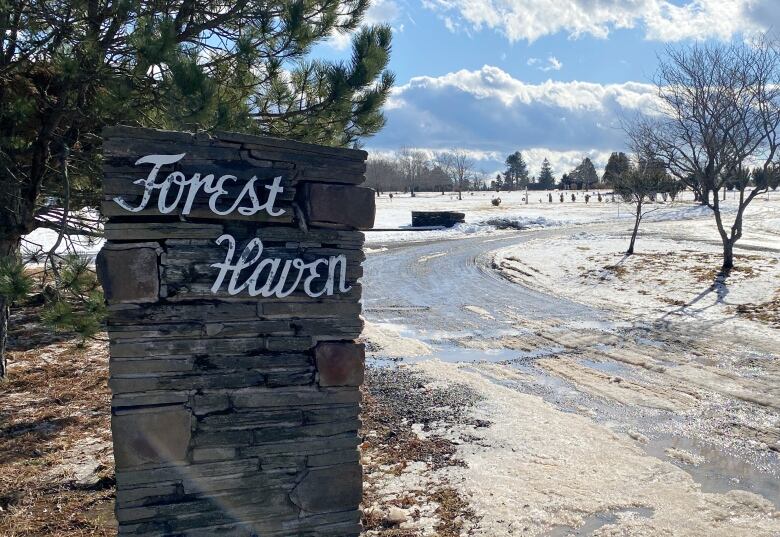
<point>176,185</point>
<point>268,268</point>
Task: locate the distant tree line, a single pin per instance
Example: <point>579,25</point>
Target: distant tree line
<point>415,170</point>
<point>582,177</point>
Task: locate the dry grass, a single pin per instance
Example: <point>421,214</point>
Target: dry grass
<point>54,423</point>
<point>767,312</point>
<point>389,446</point>
<point>656,266</point>
<point>452,511</point>
<point>669,269</point>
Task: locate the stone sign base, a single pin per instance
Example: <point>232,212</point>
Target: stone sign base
<point>234,413</point>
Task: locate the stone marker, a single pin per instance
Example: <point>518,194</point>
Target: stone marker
<point>437,218</point>
<point>231,274</point>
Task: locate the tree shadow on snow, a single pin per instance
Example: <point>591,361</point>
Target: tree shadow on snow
<point>718,286</point>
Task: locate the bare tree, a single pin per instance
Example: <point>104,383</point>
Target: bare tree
<point>718,115</point>
<point>413,162</point>
<point>381,174</point>
<point>637,185</point>
<point>458,166</point>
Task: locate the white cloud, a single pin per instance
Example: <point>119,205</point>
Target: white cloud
<point>551,64</point>
<point>449,24</point>
<point>492,82</point>
<point>493,114</point>
<point>563,161</point>
<point>379,12</point>
<point>664,20</point>
<point>478,156</point>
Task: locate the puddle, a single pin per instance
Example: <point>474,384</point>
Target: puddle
<point>463,354</point>
<point>610,367</point>
<point>399,309</point>
<point>446,352</point>
<point>551,388</point>
<point>443,348</point>
<point>539,352</point>
<point>598,325</point>
<point>647,342</point>
<point>599,520</point>
<point>381,363</point>
<point>719,471</point>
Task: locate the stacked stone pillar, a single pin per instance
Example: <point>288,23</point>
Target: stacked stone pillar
<point>233,415</point>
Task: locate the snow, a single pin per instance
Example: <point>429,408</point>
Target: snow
<point>484,218</point>
<point>43,239</point>
<point>673,271</point>
<point>661,411</point>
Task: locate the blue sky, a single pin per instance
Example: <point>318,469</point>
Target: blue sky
<point>551,78</point>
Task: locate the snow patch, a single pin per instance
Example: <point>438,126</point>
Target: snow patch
<point>520,222</point>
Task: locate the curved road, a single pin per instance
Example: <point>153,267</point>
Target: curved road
<point>430,285</point>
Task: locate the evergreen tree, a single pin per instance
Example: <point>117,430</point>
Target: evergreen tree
<point>508,181</point>
<point>764,178</point>
<point>546,177</point>
<point>521,172</point>
<point>517,171</point>
<point>70,67</point>
<point>498,182</point>
<point>584,174</point>
<point>617,164</point>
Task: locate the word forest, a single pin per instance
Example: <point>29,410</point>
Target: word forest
<point>250,272</point>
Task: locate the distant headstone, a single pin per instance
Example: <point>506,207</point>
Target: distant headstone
<point>437,218</point>
<point>231,274</point>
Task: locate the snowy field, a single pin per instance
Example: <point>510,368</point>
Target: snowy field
<point>672,275</point>
<point>674,270</point>
<point>483,218</point>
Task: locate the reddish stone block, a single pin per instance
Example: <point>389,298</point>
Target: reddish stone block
<point>340,363</point>
<point>347,205</point>
<point>155,437</point>
<point>331,489</point>
<point>130,275</point>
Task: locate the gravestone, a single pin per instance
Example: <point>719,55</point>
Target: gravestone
<point>231,274</point>
<point>437,218</point>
